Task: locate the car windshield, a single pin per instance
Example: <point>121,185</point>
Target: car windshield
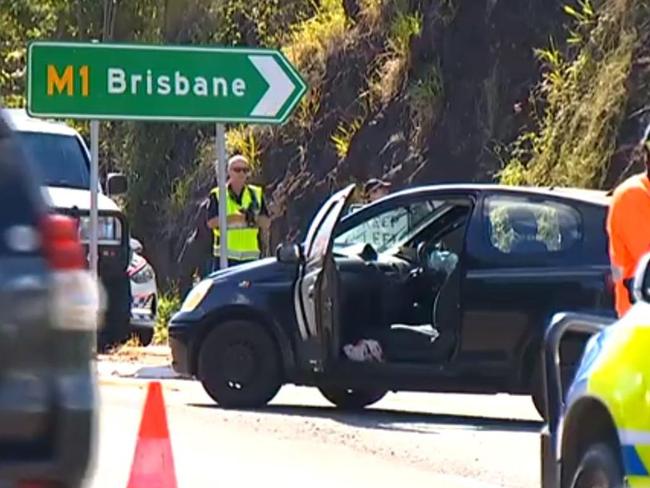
<point>406,238</point>
<point>59,159</point>
<point>388,229</point>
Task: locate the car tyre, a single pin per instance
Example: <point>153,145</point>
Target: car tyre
<point>351,398</point>
<point>598,468</point>
<point>145,336</point>
<point>239,365</point>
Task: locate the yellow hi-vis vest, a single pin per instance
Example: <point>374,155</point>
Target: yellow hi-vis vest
<point>242,239</point>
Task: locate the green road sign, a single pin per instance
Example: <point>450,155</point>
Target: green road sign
<point>149,82</point>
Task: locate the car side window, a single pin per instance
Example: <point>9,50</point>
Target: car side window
<point>384,229</point>
<point>518,226</point>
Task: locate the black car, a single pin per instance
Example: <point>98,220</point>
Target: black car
<point>442,288</point>
<point>49,306</point>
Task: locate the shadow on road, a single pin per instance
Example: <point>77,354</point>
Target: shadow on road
<point>394,420</point>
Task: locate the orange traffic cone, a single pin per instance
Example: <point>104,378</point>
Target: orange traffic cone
<point>153,462</point>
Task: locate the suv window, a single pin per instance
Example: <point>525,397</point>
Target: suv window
<point>521,226</point>
<point>385,229</point>
<point>59,159</point>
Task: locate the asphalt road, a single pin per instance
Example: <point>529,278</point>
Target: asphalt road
<point>300,440</point>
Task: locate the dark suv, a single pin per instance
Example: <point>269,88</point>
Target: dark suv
<point>50,306</point>
<point>442,288</point>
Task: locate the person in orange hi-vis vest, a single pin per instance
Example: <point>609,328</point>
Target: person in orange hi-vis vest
<point>628,227</point>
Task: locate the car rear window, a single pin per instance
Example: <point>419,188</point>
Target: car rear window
<point>520,226</point>
<point>58,158</point>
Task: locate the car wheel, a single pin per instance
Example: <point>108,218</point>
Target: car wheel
<point>351,398</point>
<point>145,336</point>
<point>598,468</point>
<point>239,365</point>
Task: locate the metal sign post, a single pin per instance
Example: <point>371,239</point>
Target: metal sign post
<point>221,180</point>
<point>94,220</point>
<point>94,187</point>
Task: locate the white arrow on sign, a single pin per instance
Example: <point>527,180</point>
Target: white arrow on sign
<point>280,86</point>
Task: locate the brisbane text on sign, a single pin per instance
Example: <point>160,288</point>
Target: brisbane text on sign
<point>136,83</point>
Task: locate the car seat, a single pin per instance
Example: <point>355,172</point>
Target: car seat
<point>430,342</point>
<point>434,342</point>
<point>524,222</point>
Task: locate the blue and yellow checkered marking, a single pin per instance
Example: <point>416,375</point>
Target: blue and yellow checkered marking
<point>620,377</point>
<point>633,464</point>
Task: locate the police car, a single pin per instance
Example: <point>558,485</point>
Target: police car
<point>145,294</point>
<point>598,431</point>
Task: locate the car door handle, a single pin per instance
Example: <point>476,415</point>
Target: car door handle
<point>310,291</point>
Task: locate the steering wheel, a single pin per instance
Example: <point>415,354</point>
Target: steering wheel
<point>424,250</point>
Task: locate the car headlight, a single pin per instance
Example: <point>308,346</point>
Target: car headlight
<point>143,275</point>
<point>109,229</point>
<point>196,296</point>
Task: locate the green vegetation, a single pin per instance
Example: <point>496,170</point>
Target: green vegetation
<point>404,26</point>
<point>387,81</point>
<point>180,194</point>
<point>344,134</point>
<point>584,96</point>
<point>242,140</point>
<point>308,46</point>
<point>371,11</point>
<point>261,23</point>
<point>389,72</point>
<point>425,97</point>
<point>168,304</point>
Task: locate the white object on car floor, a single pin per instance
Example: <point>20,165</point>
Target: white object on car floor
<point>364,350</point>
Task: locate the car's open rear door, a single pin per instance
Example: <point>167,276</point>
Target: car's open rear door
<point>315,294</point>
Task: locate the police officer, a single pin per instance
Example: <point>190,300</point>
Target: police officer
<point>628,227</point>
<point>246,215</point>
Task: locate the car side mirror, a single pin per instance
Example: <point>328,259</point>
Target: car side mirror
<point>116,184</point>
<point>641,284</point>
<point>288,253</point>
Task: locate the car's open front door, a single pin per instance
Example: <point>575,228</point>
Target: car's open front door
<point>315,294</point>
